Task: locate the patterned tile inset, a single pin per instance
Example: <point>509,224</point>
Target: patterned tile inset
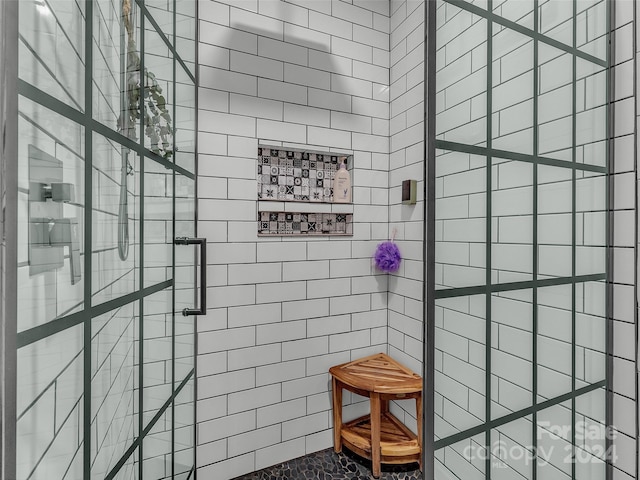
<point>288,223</point>
<point>327,465</point>
<point>292,175</point>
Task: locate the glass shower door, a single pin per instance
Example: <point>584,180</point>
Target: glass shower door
<point>106,182</point>
<point>520,301</point>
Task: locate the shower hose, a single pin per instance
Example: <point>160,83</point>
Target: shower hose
<point>123,212</point>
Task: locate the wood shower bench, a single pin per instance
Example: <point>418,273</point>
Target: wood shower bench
<point>380,436</point>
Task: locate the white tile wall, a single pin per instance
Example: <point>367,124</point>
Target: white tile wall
<point>311,73</point>
<point>406,145</point>
<point>625,194</point>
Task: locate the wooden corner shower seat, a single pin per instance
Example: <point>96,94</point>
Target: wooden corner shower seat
<point>380,436</point>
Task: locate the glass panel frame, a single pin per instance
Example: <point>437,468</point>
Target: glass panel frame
<point>553,260</point>
<point>101,420</point>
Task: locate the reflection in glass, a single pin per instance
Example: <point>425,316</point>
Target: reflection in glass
<point>51,49</point>
<point>157,90</point>
<point>158,223</point>
<point>49,408</point>
<point>460,220</point>
<point>520,11</point>
<point>113,394</point>
<point>157,365</point>
<point>511,352</point>
<point>591,327</point>
<point>185,121</point>
<point>114,276</point>
<point>461,76</point>
<point>464,459</point>
<point>591,27</point>
<point>460,364</point>
<point>512,455</point>
<point>511,221</point>
<point>554,368</point>
<point>156,449</point>
<point>556,20</point>
<point>590,122</point>
<point>512,91</point>
<point>51,215</point>
<point>591,436</point>
<point>555,103</point>
<point>554,434</point>
<point>186,12</point>
<point>555,222</point>
<point>111,74</point>
<point>161,12</point>
<point>591,215</point>
<point>184,427</point>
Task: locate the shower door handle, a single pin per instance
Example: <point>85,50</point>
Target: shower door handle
<point>203,273</point>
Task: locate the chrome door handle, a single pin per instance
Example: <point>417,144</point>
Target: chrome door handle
<point>203,273</point>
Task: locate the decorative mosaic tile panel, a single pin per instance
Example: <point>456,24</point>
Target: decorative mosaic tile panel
<point>293,175</point>
<point>288,223</point>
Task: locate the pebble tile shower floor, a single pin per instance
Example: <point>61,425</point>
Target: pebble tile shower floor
<point>327,465</point>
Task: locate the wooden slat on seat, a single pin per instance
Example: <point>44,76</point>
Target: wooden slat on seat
<point>378,373</point>
<point>394,441</point>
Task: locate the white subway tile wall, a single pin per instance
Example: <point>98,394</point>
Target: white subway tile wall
<point>625,362</point>
<point>406,95</point>
<point>311,75</point>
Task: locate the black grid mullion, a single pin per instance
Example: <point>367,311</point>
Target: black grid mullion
<point>35,334</point>
<point>488,246</point>
<point>429,255</point>
<point>574,100</point>
<point>518,156</point>
<point>517,415</point>
<point>141,382</point>
<point>609,446</point>
<point>173,263</point>
<point>534,326</point>
<point>195,222</point>
<point>510,286</point>
<point>88,241</point>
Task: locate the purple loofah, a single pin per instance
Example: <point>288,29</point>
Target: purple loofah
<point>387,257</point>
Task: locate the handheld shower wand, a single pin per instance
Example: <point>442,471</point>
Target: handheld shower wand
<point>123,211</point>
<point>125,124</point>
